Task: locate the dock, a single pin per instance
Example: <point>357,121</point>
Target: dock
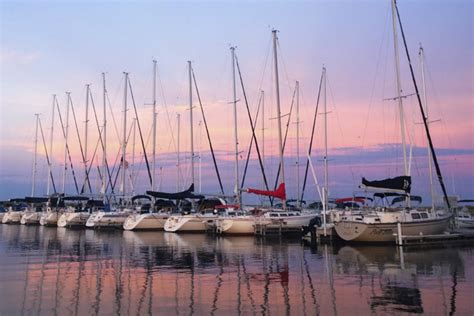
<point>457,236</point>
<point>276,228</point>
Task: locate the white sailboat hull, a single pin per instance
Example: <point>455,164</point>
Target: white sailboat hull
<point>76,219</point>
<point>150,221</point>
<point>31,218</point>
<point>12,217</point>
<point>50,218</point>
<point>107,220</point>
<point>244,225</point>
<point>385,232</point>
<point>187,223</point>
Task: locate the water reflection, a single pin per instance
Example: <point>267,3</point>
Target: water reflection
<point>84,272</point>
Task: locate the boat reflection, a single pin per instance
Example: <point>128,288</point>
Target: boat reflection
<point>52,271</point>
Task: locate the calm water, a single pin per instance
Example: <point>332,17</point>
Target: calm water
<point>50,271</point>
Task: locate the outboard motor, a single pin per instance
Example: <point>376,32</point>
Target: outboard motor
<point>316,221</point>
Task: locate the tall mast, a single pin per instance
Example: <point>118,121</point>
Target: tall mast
<point>124,140</point>
<point>422,61</point>
<point>178,174</point>
<point>277,90</point>
<point>326,180</point>
<point>50,165</point>
<point>399,88</point>
<point>134,131</point>
<point>236,140</point>
<point>200,158</point>
<point>298,201</point>
<point>191,119</point>
<point>85,140</point>
<point>33,182</point>
<point>153,179</point>
<point>66,135</point>
<point>104,133</point>
<point>263,129</point>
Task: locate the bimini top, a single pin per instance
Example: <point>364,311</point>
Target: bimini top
<point>75,198</point>
<point>187,194</point>
<point>141,196</point>
<point>34,199</point>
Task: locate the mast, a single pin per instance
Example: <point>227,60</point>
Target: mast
<point>236,140</point>
<point>277,90</point>
<point>124,140</point>
<point>132,174</point>
<point>298,201</point>
<point>263,128</point>
<point>422,61</point>
<point>86,175</point>
<point>33,182</point>
<point>326,180</point>
<point>200,158</point>
<point>191,120</point>
<point>178,117</point>
<point>399,88</point>
<point>153,181</point>
<point>425,123</point>
<point>104,133</point>
<point>68,95</point>
<point>50,165</point>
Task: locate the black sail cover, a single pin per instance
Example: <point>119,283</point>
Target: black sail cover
<point>402,183</point>
<point>188,194</point>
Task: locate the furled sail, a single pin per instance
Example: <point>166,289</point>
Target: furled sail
<point>402,183</point>
<point>279,193</point>
<point>187,194</point>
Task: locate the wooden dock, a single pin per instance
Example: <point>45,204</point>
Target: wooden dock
<point>275,228</point>
<point>457,236</point>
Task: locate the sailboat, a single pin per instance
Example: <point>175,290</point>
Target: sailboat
<point>77,211</point>
<point>242,224</point>
<point>32,214</point>
<point>379,223</point>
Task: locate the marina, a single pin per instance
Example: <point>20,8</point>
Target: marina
<point>329,174</point>
<point>90,272</point>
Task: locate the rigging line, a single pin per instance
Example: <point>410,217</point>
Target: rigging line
<point>207,132</point>
<point>91,165</point>
<point>67,147</point>
<point>282,58</point>
<point>251,145</point>
<point>100,138</point>
<point>166,108</point>
<point>137,171</point>
<point>377,65</point>
<point>254,137</point>
<point>117,134</point>
<point>286,137</point>
<point>312,138</point>
<point>435,159</point>
<point>439,107</point>
<point>339,123</point>
<point>265,63</point>
<point>140,132</point>
<point>121,159</point>
<point>86,179</point>
<point>47,156</point>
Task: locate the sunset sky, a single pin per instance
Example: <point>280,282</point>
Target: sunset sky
<point>50,47</point>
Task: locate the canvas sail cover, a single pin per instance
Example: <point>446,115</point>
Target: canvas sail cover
<point>279,193</point>
<point>187,194</point>
<point>402,183</point>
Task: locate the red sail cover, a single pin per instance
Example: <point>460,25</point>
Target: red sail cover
<point>279,193</point>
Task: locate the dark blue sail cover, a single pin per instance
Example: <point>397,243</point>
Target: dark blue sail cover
<point>188,194</point>
<point>402,183</point>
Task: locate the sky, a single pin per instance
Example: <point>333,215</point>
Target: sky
<point>50,47</point>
